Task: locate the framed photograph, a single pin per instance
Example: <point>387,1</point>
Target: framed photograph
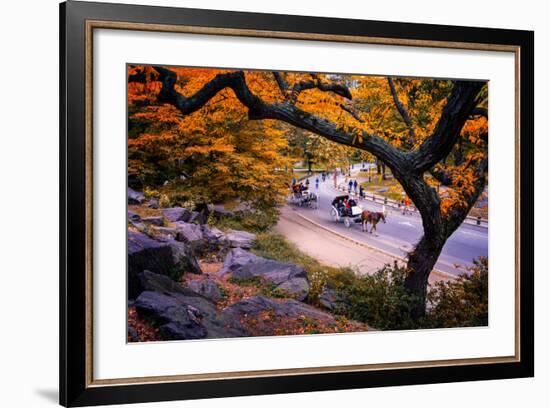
<point>256,204</point>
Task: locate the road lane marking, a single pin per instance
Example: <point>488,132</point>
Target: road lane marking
<point>475,234</point>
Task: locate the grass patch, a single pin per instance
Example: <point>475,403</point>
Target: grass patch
<point>253,221</point>
<point>144,211</point>
<point>263,286</point>
<point>395,191</point>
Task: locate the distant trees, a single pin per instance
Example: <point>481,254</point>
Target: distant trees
<point>212,155</point>
<point>415,127</point>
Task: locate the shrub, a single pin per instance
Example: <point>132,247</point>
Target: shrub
<point>461,303</point>
<point>382,301</point>
<point>149,193</point>
<point>379,300</point>
<point>164,201</point>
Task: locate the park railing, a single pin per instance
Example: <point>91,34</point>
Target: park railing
<point>371,196</point>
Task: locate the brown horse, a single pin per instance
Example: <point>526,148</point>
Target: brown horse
<point>373,217</point>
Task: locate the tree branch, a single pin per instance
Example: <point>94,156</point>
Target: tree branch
<point>460,105</point>
<point>402,111</point>
<point>286,112</point>
<point>338,89</point>
<point>350,110</point>
<point>281,82</point>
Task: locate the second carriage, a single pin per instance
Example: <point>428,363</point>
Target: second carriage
<point>300,195</point>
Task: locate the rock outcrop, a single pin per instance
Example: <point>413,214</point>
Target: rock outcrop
<point>281,308</point>
<point>289,278</point>
<point>240,239</point>
<point>169,258</point>
<point>182,317</point>
<point>207,288</point>
<point>135,197</point>
<point>175,214</point>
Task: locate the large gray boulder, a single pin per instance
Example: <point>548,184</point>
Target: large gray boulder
<point>240,239</point>
<point>175,214</point>
<point>198,217</point>
<point>214,237</point>
<point>145,253</point>
<point>236,259</point>
<point>330,300</point>
<point>135,197</point>
<point>184,257</point>
<point>169,258</point>
<point>289,278</point>
<point>154,282</point>
<point>175,318</point>
<point>191,234</point>
<point>165,233</point>
<point>282,308</point>
<point>207,288</point>
<point>182,317</point>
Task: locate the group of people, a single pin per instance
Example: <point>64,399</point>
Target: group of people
<point>299,187</point>
<point>354,186</point>
<point>344,205</point>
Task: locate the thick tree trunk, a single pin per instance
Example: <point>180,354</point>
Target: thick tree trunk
<point>421,263</point>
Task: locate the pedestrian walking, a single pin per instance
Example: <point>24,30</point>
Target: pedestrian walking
<point>350,185</point>
<point>406,204</point>
<point>361,191</point>
<point>307,184</point>
<point>317,183</point>
<point>355,186</point>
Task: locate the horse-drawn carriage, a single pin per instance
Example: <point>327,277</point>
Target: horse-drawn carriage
<point>300,195</point>
<point>345,208</point>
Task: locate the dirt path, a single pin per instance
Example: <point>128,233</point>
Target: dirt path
<point>331,249</point>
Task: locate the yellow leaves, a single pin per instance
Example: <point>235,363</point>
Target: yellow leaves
<point>474,129</point>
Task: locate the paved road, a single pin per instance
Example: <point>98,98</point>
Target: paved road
<point>401,232</point>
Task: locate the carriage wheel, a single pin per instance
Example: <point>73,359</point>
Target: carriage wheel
<point>334,215</point>
<point>347,222</point>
